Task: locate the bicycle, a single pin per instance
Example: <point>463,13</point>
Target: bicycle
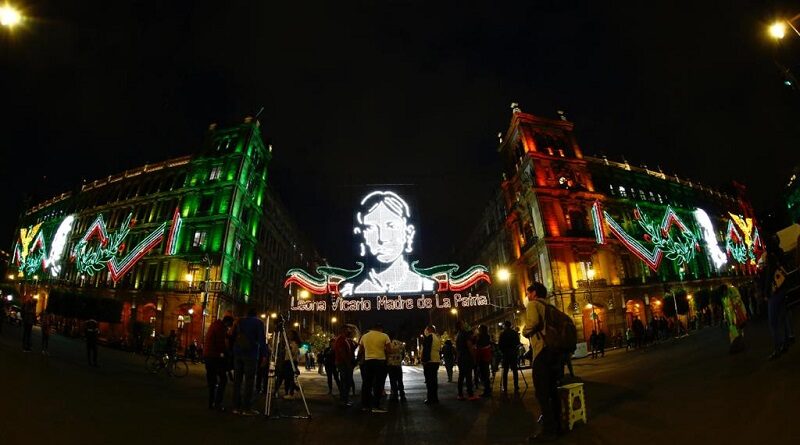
<point>174,365</point>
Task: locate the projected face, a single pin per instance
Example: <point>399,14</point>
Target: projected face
<point>384,233</point>
<point>383,222</point>
<point>387,237</point>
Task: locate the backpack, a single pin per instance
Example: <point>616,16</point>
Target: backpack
<point>559,330</point>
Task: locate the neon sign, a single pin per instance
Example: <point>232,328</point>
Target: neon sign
<point>386,237</point>
<point>30,252</point>
<point>742,244</point>
<point>680,248</point>
<point>717,255</point>
<point>58,245</point>
<point>92,258</point>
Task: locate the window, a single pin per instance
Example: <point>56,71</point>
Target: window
<point>216,172</point>
<point>199,239</point>
<point>622,192</point>
<point>642,196</point>
<point>237,249</point>
<point>611,189</point>
<point>652,197</point>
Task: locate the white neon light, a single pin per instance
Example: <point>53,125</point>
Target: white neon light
<point>383,221</point>
<point>58,245</point>
<point>717,255</point>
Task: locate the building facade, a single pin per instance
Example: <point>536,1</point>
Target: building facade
<point>610,241</point>
<point>172,241</point>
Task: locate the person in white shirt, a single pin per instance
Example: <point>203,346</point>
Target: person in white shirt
<point>376,346</point>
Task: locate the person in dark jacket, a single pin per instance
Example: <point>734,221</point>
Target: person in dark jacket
<point>249,346</point>
<point>92,332</point>
<point>509,346</point>
<point>216,361</point>
<point>448,359</point>
<point>329,361</point>
<point>344,357</point>
<point>465,357</point>
<point>483,344</point>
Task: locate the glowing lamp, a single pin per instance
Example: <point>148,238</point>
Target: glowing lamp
<point>590,274</point>
<point>334,320</point>
<point>263,315</point>
<point>454,311</point>
<point>9,16</point>
<point>777,30</point>
<point>503,274</point>
<point>9,297</point>
<point>273,315</point>
<point>191,311</point>
<point>11,276</point>
<point>296,324</point>
<point>304,293</point>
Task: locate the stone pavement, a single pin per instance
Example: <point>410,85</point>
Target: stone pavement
<point>686,391</point>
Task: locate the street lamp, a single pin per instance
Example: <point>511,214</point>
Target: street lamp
<point>454,311</point>
<point>777,30</point>
<point>590,275</point>
<point>303,294</point>
<point>9,16</point>
<point>11,277</point>
<point>333,320</point>
<point>273,315</point>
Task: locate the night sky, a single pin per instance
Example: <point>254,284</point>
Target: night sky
<point>356,94</point>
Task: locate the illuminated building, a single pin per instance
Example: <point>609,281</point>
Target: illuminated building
<point>169,239</point>
<point>792,194</point>
<point>609,240</point>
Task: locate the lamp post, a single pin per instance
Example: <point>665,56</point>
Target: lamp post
<point>505,276</point>
<point>590,276</point>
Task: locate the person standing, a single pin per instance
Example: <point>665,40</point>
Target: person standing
<point>216,362</point>
<point>328,359</point>
<point>601,343</point>
<point>91,332</point>
<point>44,323</point>
<point>249,346</point>
<point>546,364</point>
<point>593,343</point>
<point>638,332</point>
<point>28,318</point>
<point>344,358</point>
<point>509,346</point>
<point>465,358</point>
<point>376,346</point>
<point>394,366</point>
<point>483,354</point>
<point>448,359</point>
<point>430,364</point>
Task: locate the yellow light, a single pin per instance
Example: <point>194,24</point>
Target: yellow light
<point>303,293</point>
<point>296,324</point>
<point>689,297</point>
<point>589,306</point>
<point>263,315</point>
<point>9,16</point>
<point>11,276</point>
<point>273,315</point>
<point>189,277</point>
<point>590,274</point>
<point>454,311</point>
<point>503,274</point>
<point>36,296</point>
<point>334,320</point>
<point>36,277</point>
<point>191,311</point>
<point>777,30</point>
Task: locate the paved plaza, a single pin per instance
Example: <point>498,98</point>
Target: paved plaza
<point>686,390</point>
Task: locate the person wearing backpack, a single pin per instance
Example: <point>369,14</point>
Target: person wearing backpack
<point>249,345</point>
<point>552,334</point>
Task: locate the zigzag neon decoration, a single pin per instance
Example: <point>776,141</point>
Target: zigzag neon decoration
<point>91,260</point>
<point>664,245</point>
<point>119,269</point>
<point>174,231</point>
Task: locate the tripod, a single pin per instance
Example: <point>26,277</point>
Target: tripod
<point>278,337</point>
